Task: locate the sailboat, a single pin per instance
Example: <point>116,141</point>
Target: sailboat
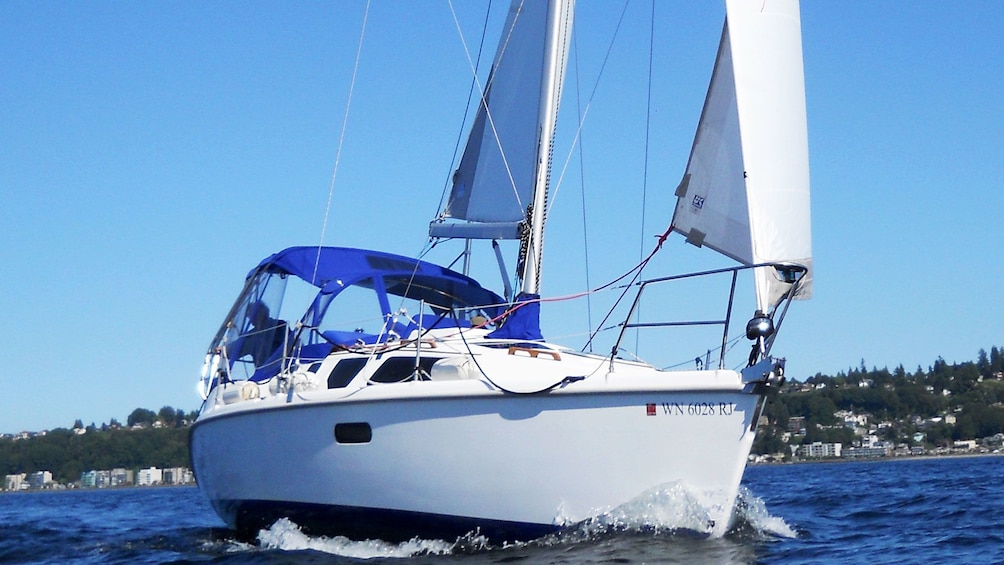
<point>406,399</point>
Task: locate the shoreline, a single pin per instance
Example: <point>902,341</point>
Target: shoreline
<point>879,458</point>
<point>89,489</point>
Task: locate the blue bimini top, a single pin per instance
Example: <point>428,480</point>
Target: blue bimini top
<point>377,286</point>
<point>259,337</point>
<point>334,268</point>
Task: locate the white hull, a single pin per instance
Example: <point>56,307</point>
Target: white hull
<point>447,457</point>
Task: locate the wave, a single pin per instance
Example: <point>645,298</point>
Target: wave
<point>751,518</point>
<point>674,509</point>
<point>670,512</point>
<point>286,535</point>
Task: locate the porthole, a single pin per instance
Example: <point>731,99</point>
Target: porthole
<point>353,432</point>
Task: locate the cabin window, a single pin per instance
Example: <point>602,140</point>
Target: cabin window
<point>400,369</point>
<point>344,371</point>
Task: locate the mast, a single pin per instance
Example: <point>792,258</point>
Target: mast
<point>559,25</point>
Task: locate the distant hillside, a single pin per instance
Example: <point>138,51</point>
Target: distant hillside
<point>899,407</point>
<point>157,439</point>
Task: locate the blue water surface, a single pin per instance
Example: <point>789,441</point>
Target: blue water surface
<point>889,511</point>
<point>939,510</point>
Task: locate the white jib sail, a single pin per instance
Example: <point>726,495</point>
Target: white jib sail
<point>746,189</point>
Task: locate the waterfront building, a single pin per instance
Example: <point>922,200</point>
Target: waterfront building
<point>16,482</point>
<point>864,452</point>
<point>39,480</point>
<point>178,476</point>
<point>818,449</point>
<point>120,478</point>
<point>150,477</point>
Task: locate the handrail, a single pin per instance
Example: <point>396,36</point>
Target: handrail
<point>797,270</point>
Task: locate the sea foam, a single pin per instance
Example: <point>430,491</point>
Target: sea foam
<point>670,509</point>
<point>286,535</point>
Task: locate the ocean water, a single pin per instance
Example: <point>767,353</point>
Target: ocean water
<point>891,511</point>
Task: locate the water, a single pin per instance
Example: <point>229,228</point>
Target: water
<point>916,511</point>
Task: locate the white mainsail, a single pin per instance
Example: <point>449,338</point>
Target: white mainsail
<point>745,192</point>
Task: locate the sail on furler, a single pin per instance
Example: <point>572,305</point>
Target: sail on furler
<point>495,182</point>
<point>745,192</point>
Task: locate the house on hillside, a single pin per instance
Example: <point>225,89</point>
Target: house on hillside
<point>796,425</point>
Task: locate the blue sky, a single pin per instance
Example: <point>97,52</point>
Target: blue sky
<point>152,153</point>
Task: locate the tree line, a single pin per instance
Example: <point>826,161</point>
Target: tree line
<point>68,452</point>
<point>972,392</point>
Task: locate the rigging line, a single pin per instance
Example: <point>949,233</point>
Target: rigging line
<point>617,302</point>
<point>648,128</point>
<point>411,279</point>
<point>582,183</point>
<point>644,182</point>
<point>513,307</point>
<point>563,381</point>
<point>341,139</point>
<point>637,269</point>
<point>637,273</point>
<point>484,96</point>
<point>589,103</point>
<point>730,345</point>
<point>470,95</point>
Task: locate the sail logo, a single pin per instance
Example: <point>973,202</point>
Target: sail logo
<point>698,201</point>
